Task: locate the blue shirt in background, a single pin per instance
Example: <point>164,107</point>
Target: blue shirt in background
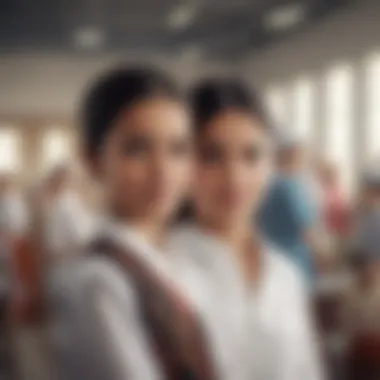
<point>287,212</point>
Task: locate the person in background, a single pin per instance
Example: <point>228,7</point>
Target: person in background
<point>361,316</point>
<point>13,209</point>
<point>262,320</point>
<point>20,259</point>
<point>336,213</point>
<point>366,230</point>
<point>68,224</point>
<point>289,215</point>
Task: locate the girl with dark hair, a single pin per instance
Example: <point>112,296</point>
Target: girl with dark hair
<point>260,297</point>
<point>128,311</point>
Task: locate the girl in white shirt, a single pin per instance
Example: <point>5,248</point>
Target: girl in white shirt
<point>271,337</point>
<point>129,311</point>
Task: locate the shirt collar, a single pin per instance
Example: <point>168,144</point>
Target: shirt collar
<point>130,237</point>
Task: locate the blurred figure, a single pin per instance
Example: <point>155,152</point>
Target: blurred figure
<point>68,224</point>
<point>362,316</point>
<point>290,214</point>
<point>13,209</point>
<point>14,229</point>
<point>336,215</point>
<point>366,232</point>
<point>130,310</point>
<point>260,305</point>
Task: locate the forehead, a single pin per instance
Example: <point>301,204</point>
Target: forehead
<point>155,113</point>
<point>234,127</point>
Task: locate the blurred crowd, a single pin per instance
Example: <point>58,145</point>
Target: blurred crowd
<point>45,224</point>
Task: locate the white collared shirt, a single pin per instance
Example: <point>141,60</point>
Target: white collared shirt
<point>264,334</point>
<point>99,333</point>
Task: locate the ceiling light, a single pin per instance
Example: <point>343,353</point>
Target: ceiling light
<point>182,16</point>
<point>285,17</point>
<point>89,38</point>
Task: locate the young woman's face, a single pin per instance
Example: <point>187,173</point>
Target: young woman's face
<point>145,165</point>
<point>233,167</point>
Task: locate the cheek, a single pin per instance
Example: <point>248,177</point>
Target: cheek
<point>207,183</point>
<point>123,174</point>
<point>180,175</point>
<point>256,179</point>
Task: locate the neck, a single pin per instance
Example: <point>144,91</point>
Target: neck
<point>236,235</point>
<point>246,251</point>
<point>154,231</point>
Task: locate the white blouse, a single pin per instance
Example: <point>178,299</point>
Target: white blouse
<point>98,332</point>
<point>269,328</point>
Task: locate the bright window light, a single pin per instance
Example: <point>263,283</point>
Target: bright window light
<point>339,137</point>
<point>303,103</point>
<point>276,102</point>
<point>10,150</point>
<point>372,125</point>
<point>56,148</point>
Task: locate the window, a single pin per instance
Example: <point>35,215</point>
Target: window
<point>339,137</point>
<point>55,148</point>
<point>276,103</point>
<point>303,108</point>
<point>10,152</point>
<point>372,124</point>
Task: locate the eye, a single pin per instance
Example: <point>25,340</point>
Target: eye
<point>134,146</point>
<point>211,154</point>
<point>252,154</point>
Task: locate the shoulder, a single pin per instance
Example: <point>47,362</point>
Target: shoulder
<point>279,188</point>
<point>82,282</point>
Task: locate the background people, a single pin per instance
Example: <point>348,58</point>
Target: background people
<point>68,223</point>
<point>290,215</point>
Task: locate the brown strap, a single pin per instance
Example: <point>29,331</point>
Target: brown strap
<point>176,329</point>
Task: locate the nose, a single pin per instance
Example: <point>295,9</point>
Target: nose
<point>160,169</point>
<point>233,173</point>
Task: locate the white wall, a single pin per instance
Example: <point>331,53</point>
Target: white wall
<point>50,85</point>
